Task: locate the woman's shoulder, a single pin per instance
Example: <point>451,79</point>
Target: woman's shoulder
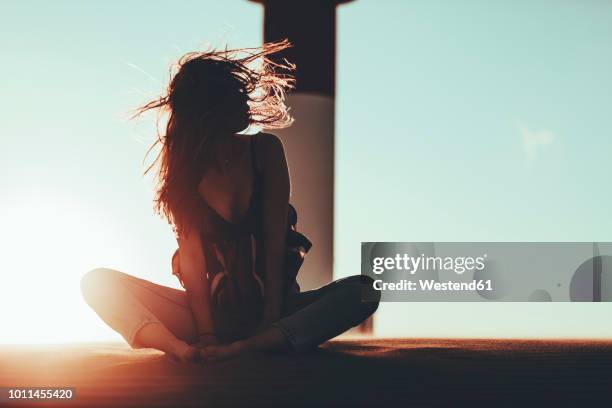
<point>268,141</point>
<point>268,149</point>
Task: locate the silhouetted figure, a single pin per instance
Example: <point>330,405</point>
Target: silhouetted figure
<point>226,195</point>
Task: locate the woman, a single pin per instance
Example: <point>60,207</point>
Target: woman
<point>226,196</point>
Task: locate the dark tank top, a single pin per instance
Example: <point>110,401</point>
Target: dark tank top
<point>231,255</point>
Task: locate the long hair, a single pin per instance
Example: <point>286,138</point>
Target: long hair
<point>211,95</point>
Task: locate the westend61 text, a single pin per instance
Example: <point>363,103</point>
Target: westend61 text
<point>433,286</point>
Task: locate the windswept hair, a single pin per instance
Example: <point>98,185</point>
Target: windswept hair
<point>211,95</point>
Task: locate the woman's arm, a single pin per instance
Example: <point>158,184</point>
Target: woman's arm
<point>275,200</point>
<point>193,273</point>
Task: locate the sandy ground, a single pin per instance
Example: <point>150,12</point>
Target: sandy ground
<point>385,372</point>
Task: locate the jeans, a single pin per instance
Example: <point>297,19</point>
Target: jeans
<point>127,303</point>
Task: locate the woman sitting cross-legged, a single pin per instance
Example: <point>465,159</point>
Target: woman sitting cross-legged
<point>226,194</point>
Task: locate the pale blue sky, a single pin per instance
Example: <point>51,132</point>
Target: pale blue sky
<point>471,120</point>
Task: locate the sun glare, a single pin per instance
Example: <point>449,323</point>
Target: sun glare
<point>47,243</point>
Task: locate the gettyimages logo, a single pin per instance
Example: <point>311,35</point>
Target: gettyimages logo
<point>412,264</point>
<point>489,271</point>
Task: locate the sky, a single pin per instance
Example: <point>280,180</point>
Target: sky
<point>477,121</point>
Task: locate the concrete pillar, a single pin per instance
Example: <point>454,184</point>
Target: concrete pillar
<point>310,25</point>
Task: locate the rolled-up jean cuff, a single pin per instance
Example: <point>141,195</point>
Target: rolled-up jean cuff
<point>131,337</point>
<point>290,337</point>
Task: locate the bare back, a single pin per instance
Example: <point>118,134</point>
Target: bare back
<point>228,190</point>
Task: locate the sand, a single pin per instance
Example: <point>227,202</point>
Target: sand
<point>384,372</point>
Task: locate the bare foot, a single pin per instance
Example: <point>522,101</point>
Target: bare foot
<point>222,352</point>
<point>184,353</point>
